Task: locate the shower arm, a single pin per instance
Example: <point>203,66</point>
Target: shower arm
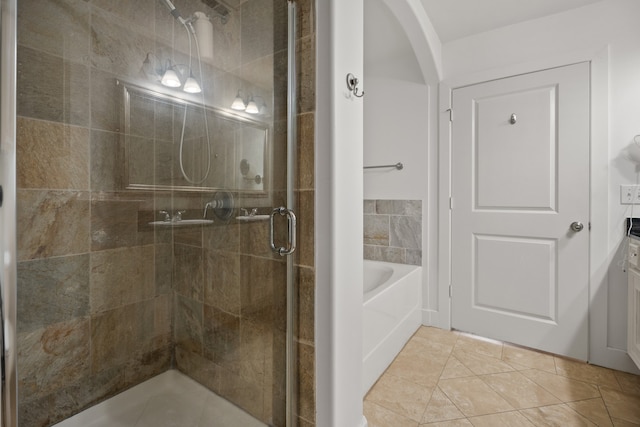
<point>174,12</point>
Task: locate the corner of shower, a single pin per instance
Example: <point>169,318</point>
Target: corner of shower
<point>153,208</point>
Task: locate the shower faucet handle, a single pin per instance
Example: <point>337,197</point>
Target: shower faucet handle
<point>167,216</point>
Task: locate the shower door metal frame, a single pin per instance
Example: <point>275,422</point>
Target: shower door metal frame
<point>292,110</point>
<point>8,251</point>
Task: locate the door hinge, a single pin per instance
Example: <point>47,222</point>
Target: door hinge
<point>450,203</point>
<point>450,110</point>
<point>449,291</point>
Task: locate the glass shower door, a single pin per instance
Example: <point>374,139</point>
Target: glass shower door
<point>154,181</point>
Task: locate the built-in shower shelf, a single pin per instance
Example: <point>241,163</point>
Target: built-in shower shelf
<point>181,223</point>
<point>249,218</point>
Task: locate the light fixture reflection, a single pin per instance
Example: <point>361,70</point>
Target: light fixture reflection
<point>191,85</point>
<point>252,107</point>
<point>170,78</point>
<point>238,103</point>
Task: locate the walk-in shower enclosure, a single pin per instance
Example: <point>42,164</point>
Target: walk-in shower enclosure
<point>119,273</point>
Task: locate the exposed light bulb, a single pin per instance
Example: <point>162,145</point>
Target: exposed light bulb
<point>170,78</point>
<point>252,107</point>
<point>191,85</point>
<point>238,103</point>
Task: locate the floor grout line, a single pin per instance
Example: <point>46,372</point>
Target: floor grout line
<point>592,411</point>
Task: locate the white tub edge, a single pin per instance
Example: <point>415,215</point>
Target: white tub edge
<point>387,348</point>
<point>376,362</point>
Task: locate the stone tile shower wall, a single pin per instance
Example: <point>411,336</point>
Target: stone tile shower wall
<point>305,193</point>
<point>105,302</point>
<point>94,292</point>
<point>393,231</point>
<point>230,303</point>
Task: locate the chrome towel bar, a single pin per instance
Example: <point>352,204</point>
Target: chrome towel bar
<point>398,166</point>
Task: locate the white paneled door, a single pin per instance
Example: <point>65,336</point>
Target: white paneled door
<point>520,210</point>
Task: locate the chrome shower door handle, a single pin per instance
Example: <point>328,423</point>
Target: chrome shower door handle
<point>291,239</point>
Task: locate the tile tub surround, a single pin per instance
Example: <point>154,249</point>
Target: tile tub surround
<point>446,378</point>
<point>91,323</point>
<point>393,231</point>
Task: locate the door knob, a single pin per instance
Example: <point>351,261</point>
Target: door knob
<point>577,226</point>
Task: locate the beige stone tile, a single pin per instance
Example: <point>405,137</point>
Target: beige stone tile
<point>188,271</point>
<point>622,406</point>
<point>400,396</point>
<point>41,23</point>
<point>376,230</point>
<point>463,422</point>
<point>306,230</point>
<point>53,358</point>
<point>114,222</point>
<point>473,397</point>
<point>475,344</point>
<point>306,303</point>
<point>385,253</point>
<point>306,383</point>
<point>121,276</point>
<point>565,389</point>
<point>52,223</point>
<point>592,409</point>
<point>222,280</point>
<point>378,416</point>
<point>437,335</point>
<point>306,168</point>
<point>519,391</point>
<point>588,373</point>
<point>505,419</point>
<point>518,356</point>
<point>481,364</point>
<point>440,408</point>
<point>52,88</point>
<point>116,334</point>
<point>305,51</point>
<point>455,369</point>
<point>556,416</point>
<point>423,370</point>
<point>241,392</point>
<point>630,383</point>
<point>424,348</point>
<point>52,155</point>
<point>52,290</point>
<point>622,423</point>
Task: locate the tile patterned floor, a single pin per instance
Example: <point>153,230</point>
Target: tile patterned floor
<point>445,378</point>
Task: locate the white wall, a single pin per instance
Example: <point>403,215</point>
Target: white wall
<point>399,106</point>
<point>608,33</point>
<point>338,215</point>
<point>395,109</point>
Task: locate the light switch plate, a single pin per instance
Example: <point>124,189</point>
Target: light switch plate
<point>630,194</point>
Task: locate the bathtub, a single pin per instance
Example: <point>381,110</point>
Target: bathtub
<point>392,296</point>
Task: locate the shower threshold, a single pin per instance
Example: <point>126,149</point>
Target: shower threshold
<point>170,399</point>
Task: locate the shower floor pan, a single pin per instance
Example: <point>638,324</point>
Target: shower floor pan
<point>170,399</point>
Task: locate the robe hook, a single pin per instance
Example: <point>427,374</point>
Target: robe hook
<point>352,85</point>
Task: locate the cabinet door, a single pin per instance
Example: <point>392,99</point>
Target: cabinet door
<point>633,337</point>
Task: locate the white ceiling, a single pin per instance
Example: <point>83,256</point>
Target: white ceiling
<point>454,19</point>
